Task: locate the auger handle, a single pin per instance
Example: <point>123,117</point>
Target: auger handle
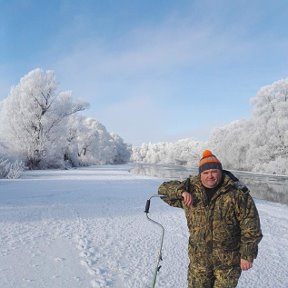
<point>148,202</point>
<point>147,206</point>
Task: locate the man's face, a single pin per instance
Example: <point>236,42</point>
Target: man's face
<point>211,178</point>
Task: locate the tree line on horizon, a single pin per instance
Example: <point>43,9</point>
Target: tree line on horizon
<point>42,128</point>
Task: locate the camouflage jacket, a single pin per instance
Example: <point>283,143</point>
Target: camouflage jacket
<point>224,230</point>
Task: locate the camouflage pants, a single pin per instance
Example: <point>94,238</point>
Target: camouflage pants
<point>216,278</point>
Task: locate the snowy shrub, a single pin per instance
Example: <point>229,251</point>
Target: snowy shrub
<point>10,170</point>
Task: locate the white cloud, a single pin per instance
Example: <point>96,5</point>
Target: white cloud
<point>112,78</point>
<point>143,53</point>
<point>168,46</point>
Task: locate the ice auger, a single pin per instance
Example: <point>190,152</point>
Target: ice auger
<point>159,257</point>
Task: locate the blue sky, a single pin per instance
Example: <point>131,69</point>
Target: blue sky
<point>153,70</point>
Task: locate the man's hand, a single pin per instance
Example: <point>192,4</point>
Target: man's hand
<point>245,265</point>
<point>187,198</point>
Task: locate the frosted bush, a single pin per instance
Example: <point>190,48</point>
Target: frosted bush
<point>10,170</point>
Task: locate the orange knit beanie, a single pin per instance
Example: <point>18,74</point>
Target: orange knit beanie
<point>209,161</point>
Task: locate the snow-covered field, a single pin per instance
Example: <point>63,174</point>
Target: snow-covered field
<point>86,228</point>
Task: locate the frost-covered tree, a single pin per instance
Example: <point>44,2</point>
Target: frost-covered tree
<point>183,152</point>
<point>94,143</point>
<point>34,119</point>
<point>123,150</point>
<point>89,142</point>
<point>231,144</point>
<point>260,143</point>
<point>270,117</point>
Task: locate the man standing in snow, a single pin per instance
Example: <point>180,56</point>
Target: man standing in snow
<point>223,222</point>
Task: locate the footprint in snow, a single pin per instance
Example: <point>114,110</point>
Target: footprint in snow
<point>58,259</point>
<point>100,283</point>
<point>89,258</point>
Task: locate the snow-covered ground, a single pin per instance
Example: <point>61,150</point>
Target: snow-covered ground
<point>86,228</point>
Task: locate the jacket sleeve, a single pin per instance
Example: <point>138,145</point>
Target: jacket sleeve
<point>172,190</point>
<point>249,222</point>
